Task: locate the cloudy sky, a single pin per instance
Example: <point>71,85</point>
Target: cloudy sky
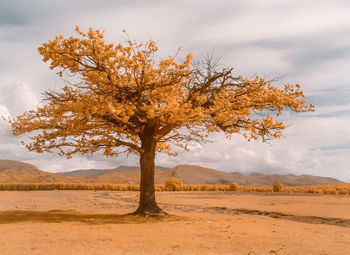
<point>300,41</point>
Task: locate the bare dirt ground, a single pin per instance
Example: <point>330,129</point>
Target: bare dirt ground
<point>88,222</point>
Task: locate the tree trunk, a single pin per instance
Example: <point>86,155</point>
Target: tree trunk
<point>147,203</point>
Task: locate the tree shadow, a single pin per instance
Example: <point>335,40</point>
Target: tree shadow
<point>59,216</point>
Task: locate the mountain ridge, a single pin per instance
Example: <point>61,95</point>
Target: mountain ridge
<point>193,174</point>
<point>12,171</point>
<point>20,172</point>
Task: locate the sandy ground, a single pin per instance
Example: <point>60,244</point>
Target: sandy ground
<point>88,222</point>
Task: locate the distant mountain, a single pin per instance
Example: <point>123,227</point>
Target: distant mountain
<point>192,174</point>
<point>121,174</point>
<point>18,172</point>
<point>286,179</point>
<point>12,171</point>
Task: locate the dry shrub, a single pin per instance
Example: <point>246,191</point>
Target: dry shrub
<point>342,192</point>
<point>186,187</point>
<point>340,189</point>
<point>223,187</point>
<point>329,191</point>
<point>173,184</point>
<point>277,187</point>
<point>234,186</point>
<point>203,187</point>
<point>263,189</point>
<point>195,187</point>
<point>211,187</point>
<point>159,187</point>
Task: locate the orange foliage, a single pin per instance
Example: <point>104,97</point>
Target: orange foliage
<point>173,184</point>
<point>277,186</point>
<point>121,94</point>
<point>234,186</point>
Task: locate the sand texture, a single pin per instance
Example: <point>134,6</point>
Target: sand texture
<point>89,222</point>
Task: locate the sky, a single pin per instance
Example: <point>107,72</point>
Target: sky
<point>306,42</point>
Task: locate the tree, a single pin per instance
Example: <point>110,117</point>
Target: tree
<point>121,96</point>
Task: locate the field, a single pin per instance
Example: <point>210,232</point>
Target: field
<point>335,189</point>
<point>92,222</point>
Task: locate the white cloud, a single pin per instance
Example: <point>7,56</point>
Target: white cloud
<point>326,73</point>
<point>4,112</point>
<point>310,146</point>
<point>331,109</point>
<point>307,41</point>
<point>320,131</point>
<point>4,127</point>
<point>17,96</point>
<point>52,163</point>
<point>261,21</point>
<point>264,60</point>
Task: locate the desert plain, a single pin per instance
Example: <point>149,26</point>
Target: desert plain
<point>95,222</point>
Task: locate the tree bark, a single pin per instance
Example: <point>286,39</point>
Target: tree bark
<point>147,203</point>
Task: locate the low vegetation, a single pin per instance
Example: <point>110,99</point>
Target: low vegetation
<point>277,187</point>
<point>174,184</point>
<point>234,186</point>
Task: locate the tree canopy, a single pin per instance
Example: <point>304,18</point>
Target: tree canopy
<point>118,93</point>
<point>124,96</point>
